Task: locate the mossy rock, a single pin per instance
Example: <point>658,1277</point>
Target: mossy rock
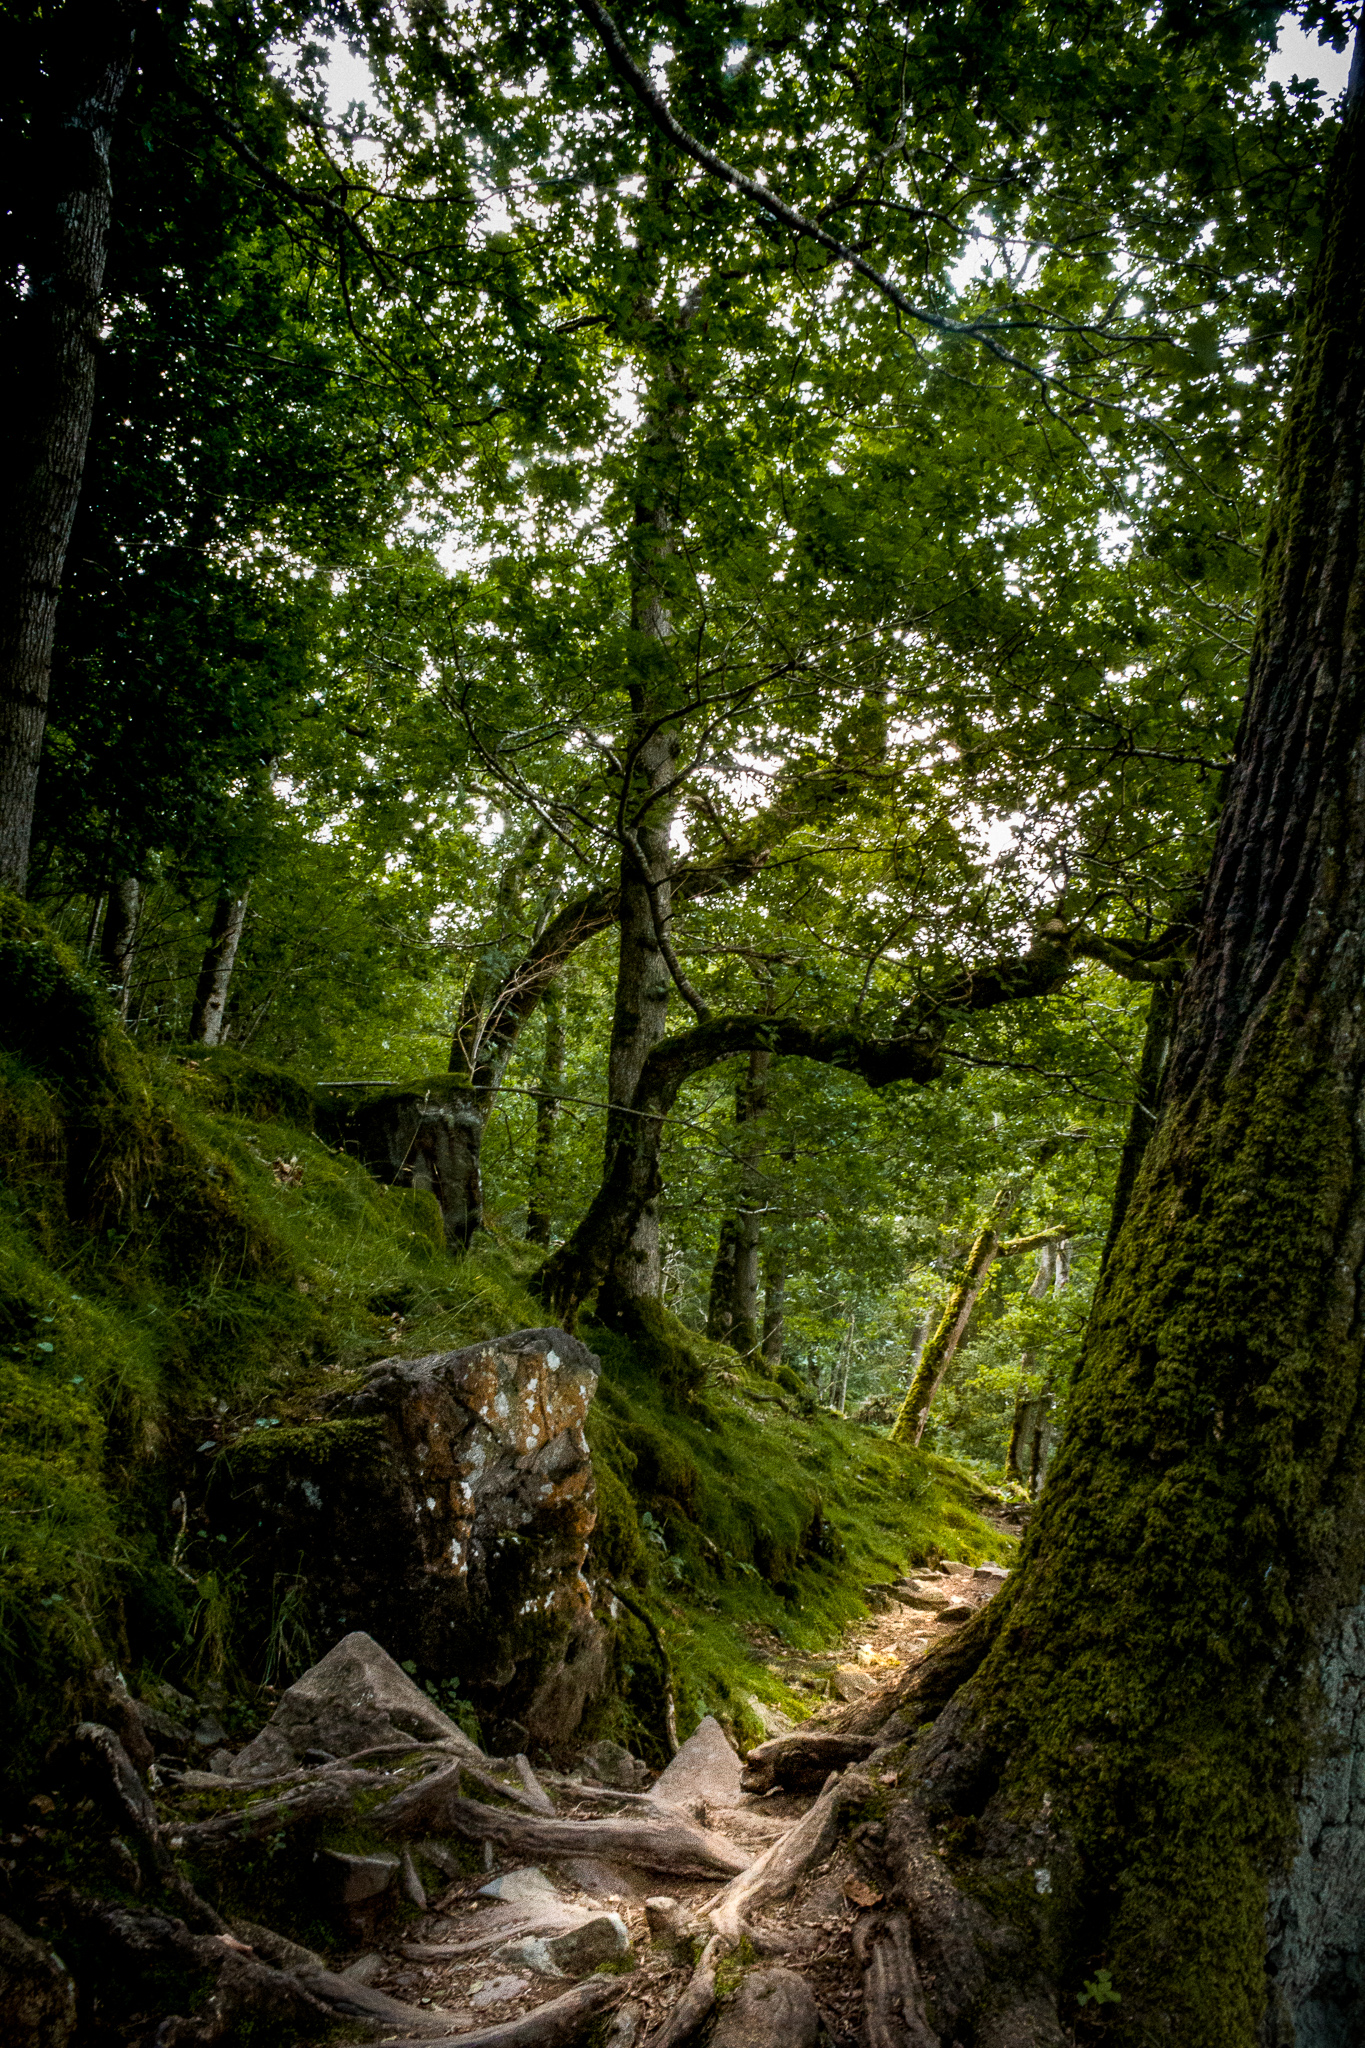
<point>254,1088</point>
<point>54,1014</point>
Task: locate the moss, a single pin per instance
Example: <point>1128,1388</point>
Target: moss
<point>56,1016</point>
<point>1214,1437</point>
<point>226,1079</point>
<point>313,1445</point>
<point>617,1550</point>
<point>164,1291</point>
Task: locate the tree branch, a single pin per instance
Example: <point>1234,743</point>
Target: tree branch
<point>660,114</point>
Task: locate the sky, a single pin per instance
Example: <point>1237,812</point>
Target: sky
<point>1306,56</point>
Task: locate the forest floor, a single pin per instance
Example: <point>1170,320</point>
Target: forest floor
<point>470,1991</point>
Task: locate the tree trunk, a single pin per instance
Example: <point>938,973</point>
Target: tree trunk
<point>62,210</point>
<point>547,1116</point>
<point>1156,1047</point>
<point>1018,1425</point>
<point>744,1321</point>
<point>648,804</point>
<point>774,1305</point>
<point>720,1313</point>
<point>939,1352</point>
<point>118,941</point>
<point>915,1054</point>
<point>640,1011</point>
<point>1150,1772</point>
<point>733,1315</point>
<point>1047,1279</point>
<point>215,974</point>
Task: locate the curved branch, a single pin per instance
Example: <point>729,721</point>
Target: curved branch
<point>915,1054</point>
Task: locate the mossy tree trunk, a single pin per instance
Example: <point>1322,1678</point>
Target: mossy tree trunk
<point>941,1349</point>
<point>1151,1771</point>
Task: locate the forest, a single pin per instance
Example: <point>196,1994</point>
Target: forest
<point>682,1179</point>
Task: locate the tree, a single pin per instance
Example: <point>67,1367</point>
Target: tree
<point>73,70</point>
<point>1131,1761</point>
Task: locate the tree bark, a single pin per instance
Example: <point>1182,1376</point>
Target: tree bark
<point>1150,1771</point>
<point>547,1117</point>
<point>118,940</point>
<point>63,204</point>
<point>941,1349</point>
<point>744,1321</point>
<point>215,974</point>
<point>643,987</point>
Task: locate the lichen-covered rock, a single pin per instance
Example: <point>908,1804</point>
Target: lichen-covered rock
<point>598,1938</point>
<point>357,1698</point>
<point>456,1528</point>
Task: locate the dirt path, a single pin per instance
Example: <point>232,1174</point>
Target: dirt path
<point>812,1928</point>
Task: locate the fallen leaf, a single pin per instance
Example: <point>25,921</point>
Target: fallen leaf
<point>859,1892</point>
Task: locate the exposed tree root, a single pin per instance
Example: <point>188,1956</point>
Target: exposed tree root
<point>667,1843</point>
<point>552,2025</point>
<point>893,1997</point>
<point>325,1797</point>
<point>779,1869</point>
<point>140,1953</point>
<point>801,1761</point>
<point>689,2011</point>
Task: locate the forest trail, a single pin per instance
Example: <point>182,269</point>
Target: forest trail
<point>809,1934</point>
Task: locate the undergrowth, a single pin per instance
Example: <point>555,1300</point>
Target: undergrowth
<point>185,1266</point>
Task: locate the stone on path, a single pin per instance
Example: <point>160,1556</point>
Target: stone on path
<point>915,1593</point>
<point>705,1768</point>
<point>599,1938</point>
<point>952,1615</point>
<point>353,1880</point>
<point>499,1990</point>
<point>850,1681</point>
<point>528,1887</point>
<point>608,1763</point>
<point>771,2009</point>
<point>771,1720</point>
<point>355,1699</point>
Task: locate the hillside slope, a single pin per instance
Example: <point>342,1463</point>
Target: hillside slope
<point>185,1262</point>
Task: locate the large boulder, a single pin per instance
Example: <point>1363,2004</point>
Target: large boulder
<point>451,1523</point>
<point>356,1699</point>
<point>427,1136</point>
